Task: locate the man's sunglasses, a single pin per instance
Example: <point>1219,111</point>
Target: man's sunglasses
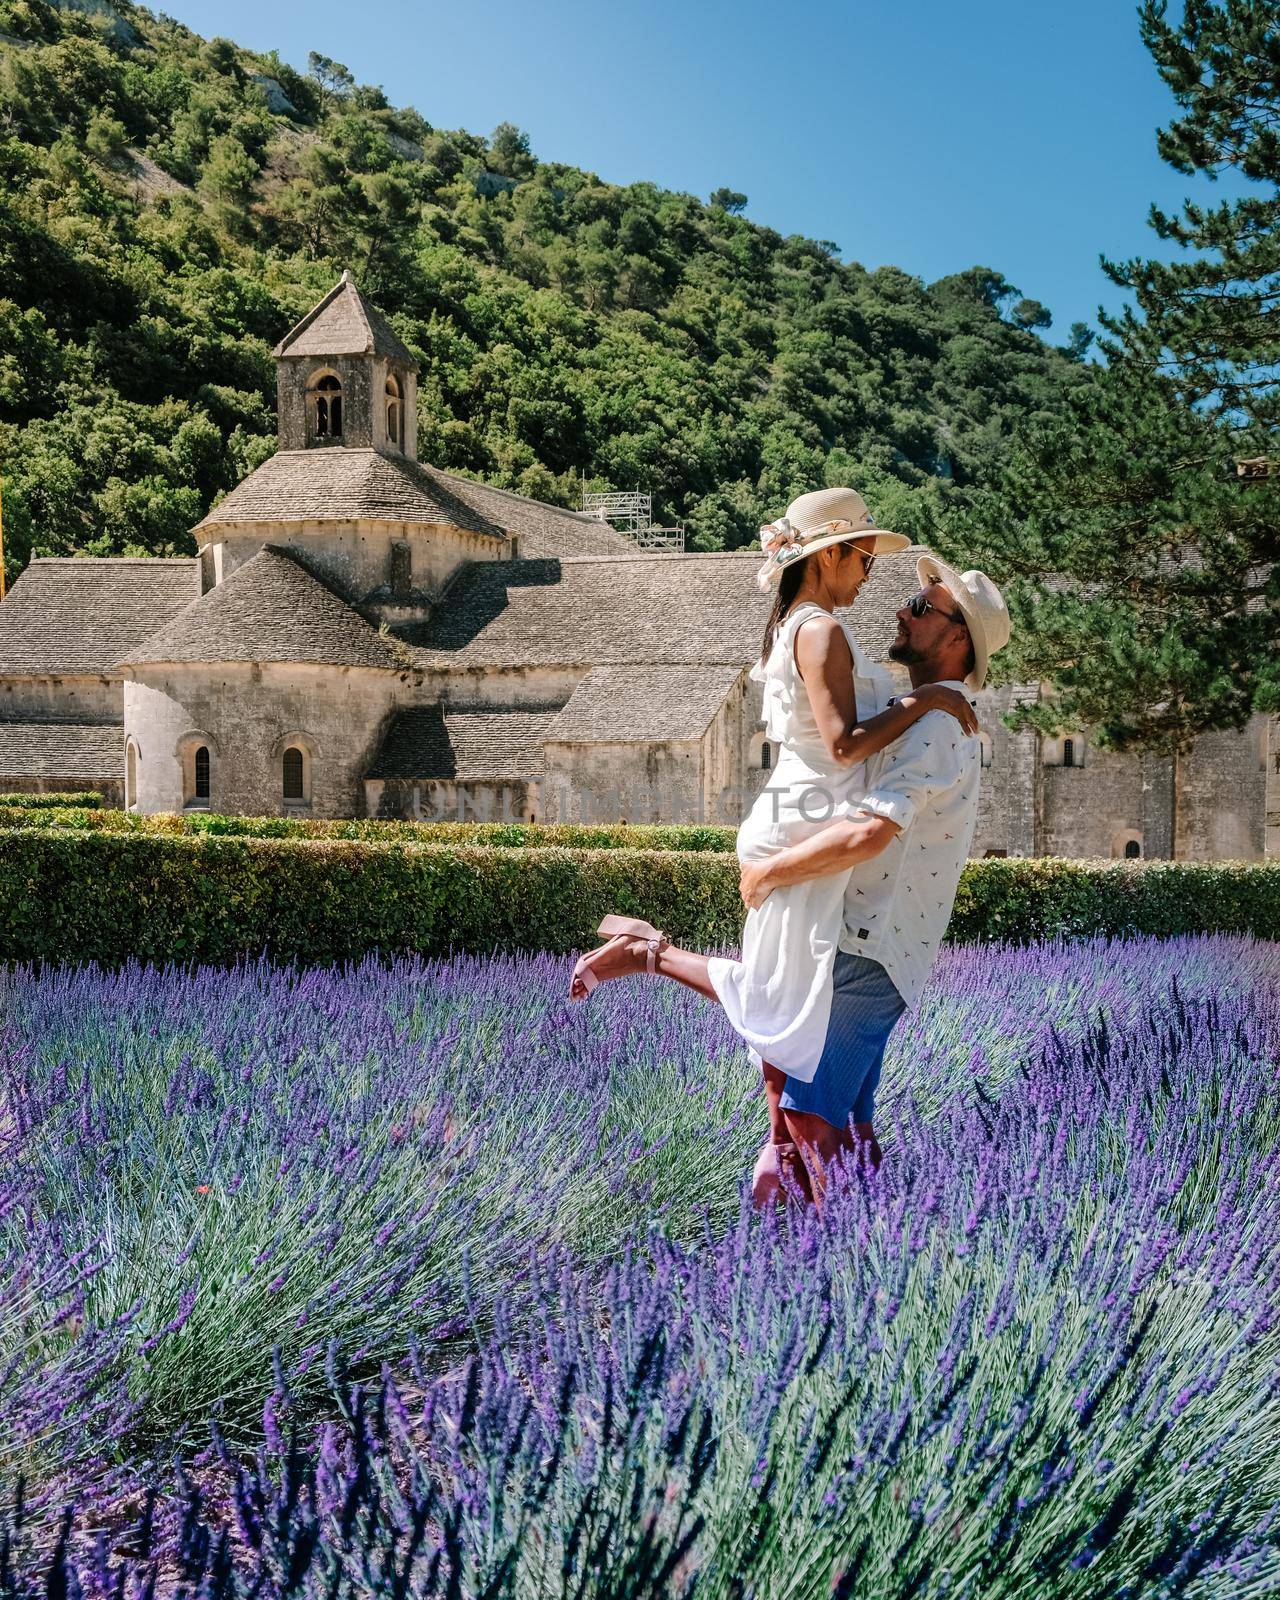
<point>920,603</point>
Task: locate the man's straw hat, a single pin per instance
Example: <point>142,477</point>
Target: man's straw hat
<point>815,520</point>
<point>981,605</point>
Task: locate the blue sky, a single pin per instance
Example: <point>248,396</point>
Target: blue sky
<point>931,135</point>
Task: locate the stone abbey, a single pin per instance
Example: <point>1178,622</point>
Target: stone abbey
<point>363,634</point>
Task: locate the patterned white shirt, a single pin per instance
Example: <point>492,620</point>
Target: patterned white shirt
<point>897,904</point>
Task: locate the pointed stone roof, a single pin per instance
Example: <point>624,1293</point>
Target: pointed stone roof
<point>431,742</point>
<point>342,484</point>
<point>81,614</point>
<point>643,704</point>
<point>270,609</point>
<point>647,609</point>
<point>61,750</point>
<point>344,324</point>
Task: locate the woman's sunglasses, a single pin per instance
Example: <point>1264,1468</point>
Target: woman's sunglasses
<point>920,603</point>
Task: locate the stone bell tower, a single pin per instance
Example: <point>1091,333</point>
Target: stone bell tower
<point>344,379</point>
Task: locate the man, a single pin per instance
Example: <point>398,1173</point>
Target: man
<point>906,841</point>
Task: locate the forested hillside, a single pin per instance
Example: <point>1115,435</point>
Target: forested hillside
<point>171,205</point>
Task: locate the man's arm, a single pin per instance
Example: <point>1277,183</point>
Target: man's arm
<point>835,849</point>
<point>923,763</point>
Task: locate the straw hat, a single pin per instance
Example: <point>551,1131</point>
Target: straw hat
<point>815,520</point>
<point>981,605</point>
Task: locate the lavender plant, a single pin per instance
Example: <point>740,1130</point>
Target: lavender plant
<point>444,1288</point>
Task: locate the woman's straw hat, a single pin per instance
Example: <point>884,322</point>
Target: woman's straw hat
<point>815,520</point>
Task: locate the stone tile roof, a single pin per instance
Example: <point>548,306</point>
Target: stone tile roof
<point>644,704</point>
<point>337,484</point>
<point>650,609</point>
<point>341,484</point>
<point>61,750</point>
<point>344,323</point>
<point>543,530</point>
<point>429,742</point>
<point>270,609</point>
<point>72,614</point>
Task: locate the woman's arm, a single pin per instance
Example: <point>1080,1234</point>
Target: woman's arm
<point>826,665</point>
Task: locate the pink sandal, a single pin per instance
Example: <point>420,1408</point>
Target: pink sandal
<point>613,929</point>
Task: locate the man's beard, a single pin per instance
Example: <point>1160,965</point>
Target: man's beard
<point>905,653</point>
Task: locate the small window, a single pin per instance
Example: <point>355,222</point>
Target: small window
<point>292,768</point>
<point>995,855</point>
<point>393,412</point>
<point>1133,851</point>
<point>766,756</point>
<point>328,408</point>
<point>984,749</point>
<point>131,776</point>
<point>1068,752</point>
<point>202,772</point>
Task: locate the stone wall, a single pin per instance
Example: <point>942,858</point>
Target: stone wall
<point>245,713</point>
<point>511,688</point>
<point>355,557</point>
<point>1271,802</point>
<point>438,800</point>
<point>111,789</point>
<point>364,423</point>
<point>75,697</point>
<point>730,781</point>
<point>617,782</point>
<point>1222,788</point>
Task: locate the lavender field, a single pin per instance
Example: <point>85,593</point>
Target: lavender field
<point>417,1280</point>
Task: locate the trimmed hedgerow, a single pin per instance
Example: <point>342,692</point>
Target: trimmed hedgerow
<point>82,799</point>
<point>106,897</point>
<point>575,836</point>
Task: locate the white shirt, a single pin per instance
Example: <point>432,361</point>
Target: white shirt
<point>897,904</point>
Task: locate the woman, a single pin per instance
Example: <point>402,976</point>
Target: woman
<point>826,705</point>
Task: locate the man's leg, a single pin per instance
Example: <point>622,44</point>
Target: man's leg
<point>820,1142</point>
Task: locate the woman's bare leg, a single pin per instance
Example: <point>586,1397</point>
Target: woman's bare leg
<point>770,1186</point>
<point>684,966</point>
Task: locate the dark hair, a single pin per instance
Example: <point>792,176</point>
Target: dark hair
<point>788,588</point>
<point>971,660</point>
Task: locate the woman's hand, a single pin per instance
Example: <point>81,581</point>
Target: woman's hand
<point>937,697</point>
<point>754,885</point>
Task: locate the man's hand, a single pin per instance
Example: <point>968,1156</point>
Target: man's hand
<point>754,885</point>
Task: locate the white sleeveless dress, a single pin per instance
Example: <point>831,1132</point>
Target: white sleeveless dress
<point>778,996</point>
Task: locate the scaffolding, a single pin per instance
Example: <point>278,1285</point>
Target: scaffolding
<point>632,515</point>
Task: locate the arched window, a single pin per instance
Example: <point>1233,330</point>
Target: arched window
<point>766,756</point>
<point>294,777</point>
<point>393,413</point>
<point>328,408</point>
<point>1068,752</point>
<point>1133,850</point>
<point>130,776</point>
<point>202,772</point>
<point>1126,845</point>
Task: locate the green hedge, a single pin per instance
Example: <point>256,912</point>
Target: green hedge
<point>81,799</point>
<point>103,896</point>
<point>572,836</point>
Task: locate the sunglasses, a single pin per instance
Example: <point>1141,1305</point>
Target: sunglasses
<point>920,603</point>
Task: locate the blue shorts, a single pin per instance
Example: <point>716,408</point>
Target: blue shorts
<point>864,1008</point>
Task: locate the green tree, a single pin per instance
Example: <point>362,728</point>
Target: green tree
<point>1155,623</point>
<point>1143,566</point>
<point>1211,319</point>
